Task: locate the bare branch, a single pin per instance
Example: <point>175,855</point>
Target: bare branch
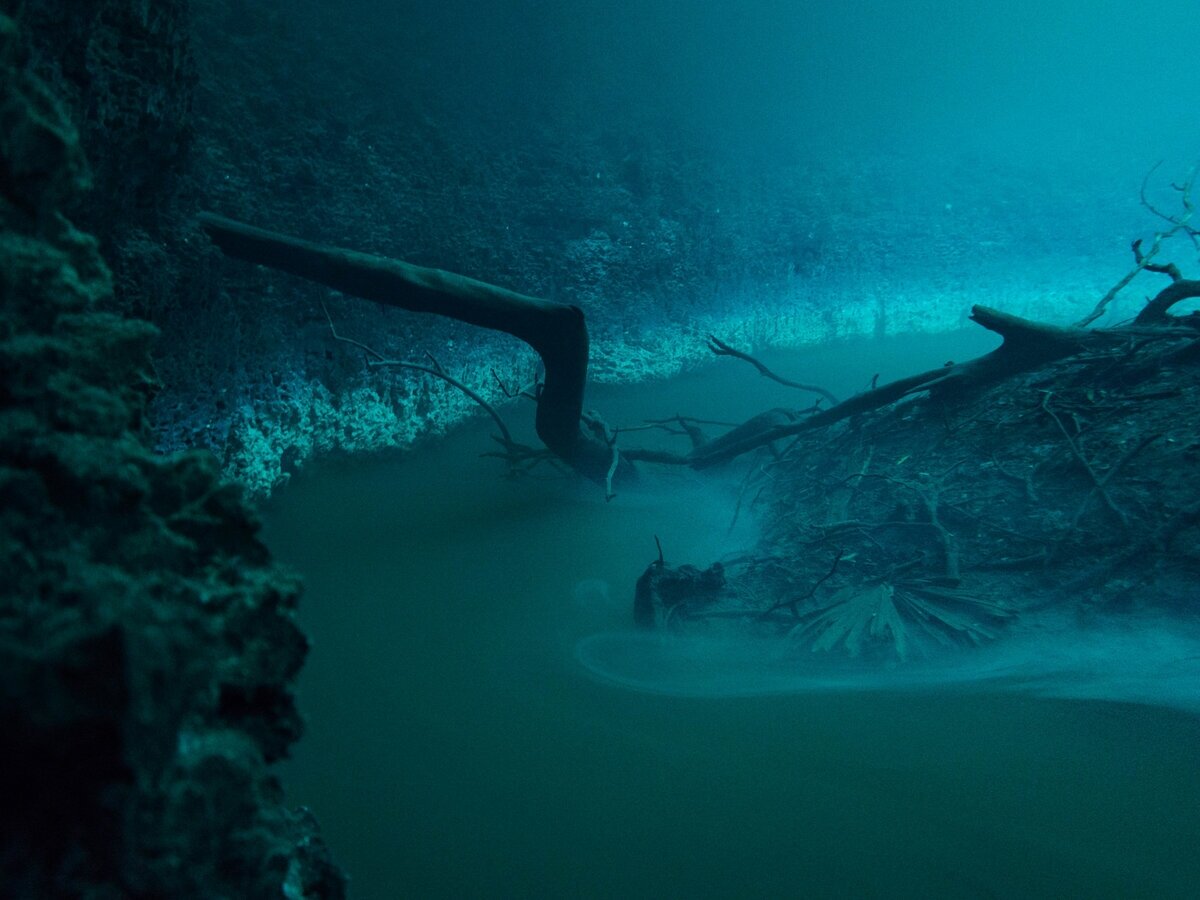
<point>1143,261</point>
<point>793,603</point>
<point>688,426</point>
<point>720,348</point>
<point>370,351</point>
<point>511,392</point>
<point>1026,344</point>
<point>1145,200</point>
<point>378,361</point>
<point>557,332</point>
<point>1169,269</point>
<point>1155,312</point>
<point>1097,481</point>
<point>1179,223</point>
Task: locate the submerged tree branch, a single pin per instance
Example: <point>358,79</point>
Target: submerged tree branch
<point>557,332</point>
<point>720,348</point>
<point>1155,310</point>
<point>377,360</point>
<point>1026,344</point>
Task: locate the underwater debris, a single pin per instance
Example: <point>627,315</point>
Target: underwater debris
<point>953,519</point>
<point>1016,468</point>
<point>664,592</point>
<point>904,620</point>
<point>1050,474</point>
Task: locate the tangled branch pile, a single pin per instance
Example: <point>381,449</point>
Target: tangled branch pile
<point>960,506</point>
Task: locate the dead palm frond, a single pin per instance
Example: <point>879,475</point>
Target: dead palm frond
<point>902,620</point>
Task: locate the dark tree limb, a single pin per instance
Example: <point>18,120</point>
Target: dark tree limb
<point>1115,468</point>
<point>1099,485</point>
<point>556,332</point>
<point>1180,289</point>
<point>1142,262</point>
<point>793,603</point>
<point>750,435</point>
<point>1027,344</point>
<point>1169,269</point>
<point>720,348</point>
<point>662,457</point>
<point>688,426</point>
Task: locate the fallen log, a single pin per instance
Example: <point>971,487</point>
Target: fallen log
<point>1027,344</point>
<point>557,332</point>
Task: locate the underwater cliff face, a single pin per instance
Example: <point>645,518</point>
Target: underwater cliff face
<point>147,642</point>
<point>780,174</point>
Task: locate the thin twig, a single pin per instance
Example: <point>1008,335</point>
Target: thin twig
<point>1143,260</point>
<point>1116,467</point>
<point>612,470</point>
<point>720,348</point>
<point>370,351</point>
<point>379,361</point>
<point>737,508</point>
<point>795,601</point>
<point>1087,467</point>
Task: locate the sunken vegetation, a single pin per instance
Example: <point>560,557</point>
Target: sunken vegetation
<point>1054,474</point>
<point>938,522</point>
<point>148,648</point>
<point>905,519</point>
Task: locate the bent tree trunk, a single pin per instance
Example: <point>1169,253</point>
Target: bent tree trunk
<point>1027,344</point>
<point>557,332</point>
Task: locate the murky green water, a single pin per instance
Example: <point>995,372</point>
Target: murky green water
<point>457,749</point>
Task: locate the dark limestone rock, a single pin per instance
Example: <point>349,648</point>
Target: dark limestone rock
<point>126,71</point>
<point>148,648</point>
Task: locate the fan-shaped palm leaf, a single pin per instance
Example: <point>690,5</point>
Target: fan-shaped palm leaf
<point>905,619</point>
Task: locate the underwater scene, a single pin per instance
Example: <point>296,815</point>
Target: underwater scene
<point>645,448</point>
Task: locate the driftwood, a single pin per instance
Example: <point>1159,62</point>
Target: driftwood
<point>1180,289</point>
<point>557,332</point>
<point>1027,344</point>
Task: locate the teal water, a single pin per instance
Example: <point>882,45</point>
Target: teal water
<point>458,747</point>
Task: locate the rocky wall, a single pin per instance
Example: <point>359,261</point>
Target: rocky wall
<point>376,127</point>
<point>148,648</point>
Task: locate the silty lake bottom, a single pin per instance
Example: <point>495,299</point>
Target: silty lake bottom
<point>484,721</point>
